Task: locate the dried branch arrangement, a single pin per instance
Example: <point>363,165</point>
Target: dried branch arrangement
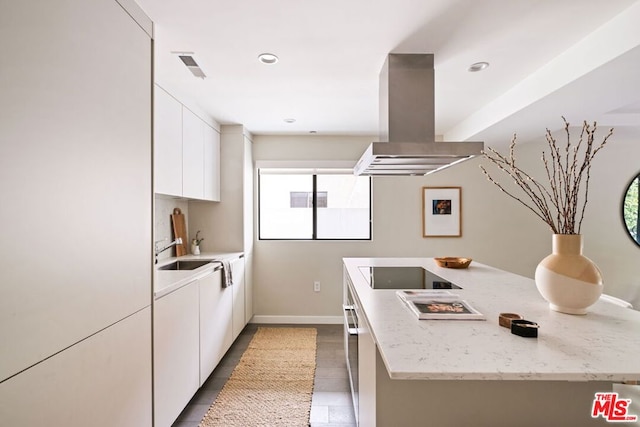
<point>562,203</point>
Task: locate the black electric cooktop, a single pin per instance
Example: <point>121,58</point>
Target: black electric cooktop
<point>405,278</point>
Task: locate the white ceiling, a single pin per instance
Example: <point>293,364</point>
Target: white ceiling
<point>578,58</point>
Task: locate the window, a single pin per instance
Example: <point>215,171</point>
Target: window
<point>313,205</point>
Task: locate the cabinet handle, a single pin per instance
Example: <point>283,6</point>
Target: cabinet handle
<point>350,330</point>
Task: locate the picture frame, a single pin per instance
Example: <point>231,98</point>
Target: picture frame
<point>441,211</point>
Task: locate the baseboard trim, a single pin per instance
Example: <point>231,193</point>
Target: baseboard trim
<point>298,320</point>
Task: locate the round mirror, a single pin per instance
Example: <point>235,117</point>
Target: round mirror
<point>630,211</point>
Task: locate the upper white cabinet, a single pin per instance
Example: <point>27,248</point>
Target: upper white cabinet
<point>192,155</point>
<point>187,151</point>
<point>167,127</point>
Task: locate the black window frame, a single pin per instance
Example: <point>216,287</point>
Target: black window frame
<point>314,233</point>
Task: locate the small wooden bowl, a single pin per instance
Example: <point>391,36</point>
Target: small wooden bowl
<point>453,262</point>
<point>504,319</point>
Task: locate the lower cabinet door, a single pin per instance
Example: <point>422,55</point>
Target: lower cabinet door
<point>102,381</point>
<point>215,322</point>
<point>175,352</point>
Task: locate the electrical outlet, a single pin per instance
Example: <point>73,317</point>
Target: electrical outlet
<point>316,286</point>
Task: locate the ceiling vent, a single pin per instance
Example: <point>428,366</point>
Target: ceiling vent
<point>191,64</point>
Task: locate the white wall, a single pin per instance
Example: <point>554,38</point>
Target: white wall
<point>496,230</point>
<point>223,224</point>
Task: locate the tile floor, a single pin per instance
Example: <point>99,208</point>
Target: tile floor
<point>331,402</point>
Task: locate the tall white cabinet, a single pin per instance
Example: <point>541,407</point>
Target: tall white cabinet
<point>76,185</point>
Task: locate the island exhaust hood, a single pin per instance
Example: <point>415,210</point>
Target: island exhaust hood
<point>407,123</point>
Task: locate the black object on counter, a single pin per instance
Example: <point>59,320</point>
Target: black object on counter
<point>524,328</point>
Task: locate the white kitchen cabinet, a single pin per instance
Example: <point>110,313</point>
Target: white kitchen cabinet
<point>167,128</point>
<point>192,155</point>
<point>237,272</point>
<point>215,322</point>
<point>103,381</point>
<point>75,325</point>
<point>176,352</point>
<point>187,151</point>
<point>211,164</point>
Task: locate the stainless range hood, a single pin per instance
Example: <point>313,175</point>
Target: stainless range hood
<point>407,123</point>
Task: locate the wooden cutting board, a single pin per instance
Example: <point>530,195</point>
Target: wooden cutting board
<point>179,230</point>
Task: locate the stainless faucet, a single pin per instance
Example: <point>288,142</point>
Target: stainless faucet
<point>158,250</point>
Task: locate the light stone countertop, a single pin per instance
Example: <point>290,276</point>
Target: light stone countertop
<point>603,345</point>
<point>167,281</point>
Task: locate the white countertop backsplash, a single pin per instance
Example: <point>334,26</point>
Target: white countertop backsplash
<point>601,345</point>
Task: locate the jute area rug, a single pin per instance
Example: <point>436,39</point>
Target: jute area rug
<point>272,384</point>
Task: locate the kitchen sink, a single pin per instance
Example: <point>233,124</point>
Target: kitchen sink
<point>185,265</point>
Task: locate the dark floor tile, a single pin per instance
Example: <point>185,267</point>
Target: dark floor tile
<point>331,372</point>
<point>331,345</point>
<point>332,362</point>
<point>214,383</point>
<point>329,353</point>
<point>223,371</point>
<point>331,384</point>
<point>186,423</point>
<point>193,412</point>
<point>205,397</point>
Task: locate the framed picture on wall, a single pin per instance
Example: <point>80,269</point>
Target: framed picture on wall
<point>441,212</point>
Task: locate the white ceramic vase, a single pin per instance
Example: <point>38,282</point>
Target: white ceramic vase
<point>195,249</point>
<point>568,280</point>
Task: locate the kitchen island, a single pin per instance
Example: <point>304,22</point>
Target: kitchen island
<point>475,372</point>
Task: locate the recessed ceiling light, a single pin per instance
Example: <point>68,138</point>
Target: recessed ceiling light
<point>478,66</point>
<point>267,58</point>
<point>289,120</point>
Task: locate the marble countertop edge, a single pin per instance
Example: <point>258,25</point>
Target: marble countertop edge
<point>600,346</point>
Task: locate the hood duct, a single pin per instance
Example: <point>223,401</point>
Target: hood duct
<point>407,123</point>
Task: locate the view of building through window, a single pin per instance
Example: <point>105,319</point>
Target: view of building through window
<point>286,208</point>
<point>304,199</point>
